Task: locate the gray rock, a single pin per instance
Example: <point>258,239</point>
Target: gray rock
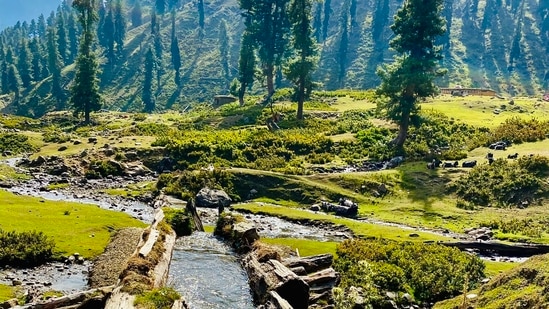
<point>212,198</point>
<point>62,148</point>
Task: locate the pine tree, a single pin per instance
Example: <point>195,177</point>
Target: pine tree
<point>72,30</point>
<point>224,49</point>
<point>13,81</point>
<point>176,54</point>
<point>147,97</point>
<point>119,26</point>
<point>41,27</point>
<point>4,77</point>
<point>201,14</point>
<point>137,14</point>
<point>36,64</point>
<point>108,37</point>
<point>317,22</point>
<point>54,66</point>
<point>154,23</point>
<point>410,78</point>
<point>160,6</point>
<point>343,44</point>
<point>304,62</point>
<point>268,22</point>
<point>173,4</point>
<point>246,65</point>
<point>85,91</point>
<point>62,40</point>
<point>24,64</point>
<point>326,21</point>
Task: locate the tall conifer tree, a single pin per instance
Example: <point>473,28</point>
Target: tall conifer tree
<point>410,78</point>
<point>304,62</point>
<point>85,91</point>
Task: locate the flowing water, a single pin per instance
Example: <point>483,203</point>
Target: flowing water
<point>208,275</point>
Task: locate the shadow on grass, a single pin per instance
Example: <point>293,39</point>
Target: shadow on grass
<point>424,186</point>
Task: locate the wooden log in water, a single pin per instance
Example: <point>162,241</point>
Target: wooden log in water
<point>311,263</point>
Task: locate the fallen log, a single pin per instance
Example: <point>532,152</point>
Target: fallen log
<point>498,248</point>
<point>151,240</point>
<point>70,300</point>
<point>311,263</point>
<point>328,275</point>
<point>278,302</point>
<point>273,276</point>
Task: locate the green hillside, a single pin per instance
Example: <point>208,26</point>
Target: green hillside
<point>498,44</point>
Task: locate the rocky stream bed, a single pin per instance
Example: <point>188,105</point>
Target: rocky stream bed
<point>73,275</point>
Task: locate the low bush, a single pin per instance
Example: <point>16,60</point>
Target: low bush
<point>15,143</point>
<point>25,249</point>
<point>104,169</point>
<point>180,221</point>
<point>187,184</point>
<point>528,227</point>
<point>504,183</point>
<point>518,130</point>
<point>430,272</point>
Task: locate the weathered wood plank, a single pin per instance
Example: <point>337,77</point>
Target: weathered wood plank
<point>311,263</point>
<point>151,240</point>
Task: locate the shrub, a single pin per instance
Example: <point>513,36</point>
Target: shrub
<point>518,130</point>
<point>15,143</point>
<point>104,168</point>
<point>430,272</point>
<point>504,183</point>
<point>180,221</point>
<point>162,298</point>
<point>25,249</point>
<point>187,184</point>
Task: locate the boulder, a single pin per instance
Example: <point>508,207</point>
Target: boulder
<point>62,148</point>
<point>212,198</point>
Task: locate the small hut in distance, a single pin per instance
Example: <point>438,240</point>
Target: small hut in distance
<point>223,99</point>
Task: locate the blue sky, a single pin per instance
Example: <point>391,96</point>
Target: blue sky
<point>13,10</point>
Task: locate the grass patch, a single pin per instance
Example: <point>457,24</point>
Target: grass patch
<point>6,292</point>
<point>74,227</point>
<point>305,247</point>
<point>162,298</point>
<point>132,190</point>
<point>359,228</point>
<point>9,173</point>
<point>57,186</point>
<point>495,268</point>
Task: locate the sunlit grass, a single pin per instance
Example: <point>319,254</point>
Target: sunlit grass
<point>305,247</point>
<point>74,227</point>
<point>6,292</point>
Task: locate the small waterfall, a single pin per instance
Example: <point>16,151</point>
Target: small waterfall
<point>208,275</point>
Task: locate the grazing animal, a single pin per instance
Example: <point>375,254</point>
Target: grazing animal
<point>436,163</point>
<point>469,163</point>
<point>512,156</point>
<point>450,164</point>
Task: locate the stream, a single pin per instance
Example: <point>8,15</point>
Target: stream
<point>207,274</point>
<point>203,269</point>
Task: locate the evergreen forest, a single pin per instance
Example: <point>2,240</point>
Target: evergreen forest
<point>159,55</point>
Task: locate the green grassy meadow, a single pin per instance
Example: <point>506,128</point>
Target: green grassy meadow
<point>74,227</point>
<point>6,292</point>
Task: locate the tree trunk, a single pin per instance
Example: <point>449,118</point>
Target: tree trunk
<point>86,114</point>
<point>403,129</point>
<point>300,98</point>
<point>270,79</point>
<point>241,92</point>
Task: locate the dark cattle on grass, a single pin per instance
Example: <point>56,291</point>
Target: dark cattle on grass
<point>469,163</point>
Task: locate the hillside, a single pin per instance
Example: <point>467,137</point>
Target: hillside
<point>522,287</point>
<point>498,44</point>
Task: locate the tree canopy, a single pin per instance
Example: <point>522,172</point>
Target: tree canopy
<point>411,77</point>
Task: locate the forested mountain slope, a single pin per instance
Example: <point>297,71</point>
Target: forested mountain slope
<point>498,44</point>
